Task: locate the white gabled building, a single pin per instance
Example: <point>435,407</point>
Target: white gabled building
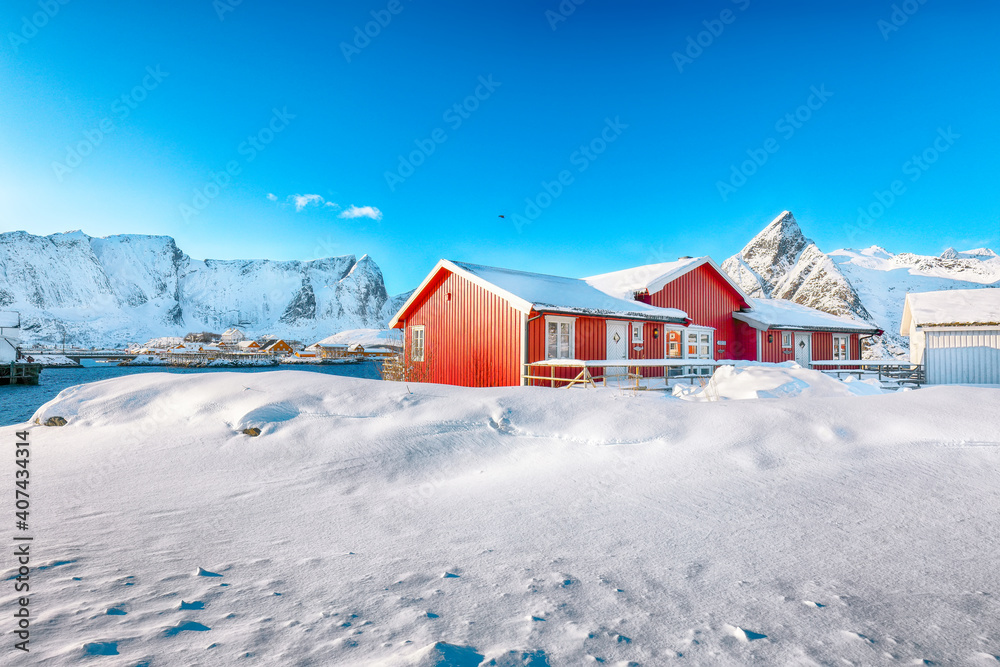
<point>232,337</point>
<point>955,334</point>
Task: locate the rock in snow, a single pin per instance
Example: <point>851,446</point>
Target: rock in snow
<point>129,288</point>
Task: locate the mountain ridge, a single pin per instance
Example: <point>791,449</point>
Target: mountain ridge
<point>123,288</point>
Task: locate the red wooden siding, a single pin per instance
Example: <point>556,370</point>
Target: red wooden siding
<point>591,342</point>
<point>822,346</point>
<point>472,339</point>
<point>710,301</point>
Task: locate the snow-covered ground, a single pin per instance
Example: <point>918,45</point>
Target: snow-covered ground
<point>375,523</point>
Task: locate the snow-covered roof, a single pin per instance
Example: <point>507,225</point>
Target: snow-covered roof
<point>366,337</point>
<point>544,293</point>
<point>9,319</point>
<point>957,307</point>
<point>784,314</point>
<point>652,277</point>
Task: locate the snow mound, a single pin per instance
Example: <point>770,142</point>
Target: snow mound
<point>760,380</point>
<point>580,527</point>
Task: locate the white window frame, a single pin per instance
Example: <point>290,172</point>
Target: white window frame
<point>637,332</point>
<point>417,352</point>
<point>786,340</point>
<point>847,347</point>
<point>557,320</point>
<point>699,343</point>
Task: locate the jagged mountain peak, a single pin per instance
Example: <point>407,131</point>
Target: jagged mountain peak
<point>949,253</point>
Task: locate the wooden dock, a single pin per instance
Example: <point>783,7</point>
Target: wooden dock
<point>15,373</point>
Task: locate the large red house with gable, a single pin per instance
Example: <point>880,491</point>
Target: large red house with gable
<point>474,325</point>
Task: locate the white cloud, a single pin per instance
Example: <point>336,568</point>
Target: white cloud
<point>272,196</point>
<point>301,201</point>
<point>331,204</point>
<point>361,212</point>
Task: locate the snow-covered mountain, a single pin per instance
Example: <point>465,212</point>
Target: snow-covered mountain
<point>868,285</point>
<point>128,288</point>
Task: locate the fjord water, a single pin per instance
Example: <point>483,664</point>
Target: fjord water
<point>18,403</point>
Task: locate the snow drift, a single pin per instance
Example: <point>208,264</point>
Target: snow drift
<point>746,380</point>
<point>375,523</point>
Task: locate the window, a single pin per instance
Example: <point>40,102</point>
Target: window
<point>637,332</point>
<point>417,343</point>
<point>841,348</point>
<point>699,346</point>
<point>559,337</point>
<point>786,339</point>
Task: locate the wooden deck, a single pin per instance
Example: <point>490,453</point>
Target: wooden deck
<point>20,373</point>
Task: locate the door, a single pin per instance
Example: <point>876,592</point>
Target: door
<point>803,349</point>
<point>617,346</point>
<point>699,346</point>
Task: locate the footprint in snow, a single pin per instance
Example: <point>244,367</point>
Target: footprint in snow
<point>197,604</point>
<point>202,572</point>
<point>810,603</point>
<point>116,611</point>
<point>449,575</point>
<point>858,635</point>
<point>186,626</point>
<point>101,648</point>
<point>747,635</point>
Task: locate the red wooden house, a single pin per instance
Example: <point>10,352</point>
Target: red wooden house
<point>474,325</point>
<point>740,327</point>
<point>477,326</point>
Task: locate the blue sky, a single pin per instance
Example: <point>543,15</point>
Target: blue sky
<point>615,134</point>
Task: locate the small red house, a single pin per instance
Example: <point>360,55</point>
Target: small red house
<point>742,328</point>
<point>473,325</point>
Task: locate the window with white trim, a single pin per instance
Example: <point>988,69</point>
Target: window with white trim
<point>699,346</point>
<point>637,332</point>
<point>559,333</point>
<point>417,343</point>
<point>786,339</point>
<point>841,348</point>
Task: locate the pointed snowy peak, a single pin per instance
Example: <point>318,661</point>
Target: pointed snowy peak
<point>949,253</point>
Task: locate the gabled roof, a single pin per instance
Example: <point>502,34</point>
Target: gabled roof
<point>543,293</point>
<point>653,277</point>
<point>783,314</point>
<point>956,307</point>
